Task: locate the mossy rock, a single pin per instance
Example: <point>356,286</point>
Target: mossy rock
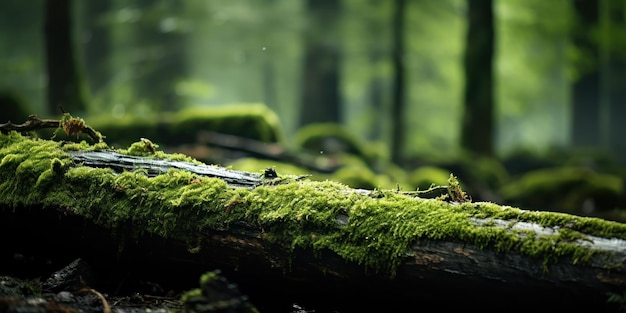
<point>254,121</point>
<point>329,138</point>
<point>564,189</point>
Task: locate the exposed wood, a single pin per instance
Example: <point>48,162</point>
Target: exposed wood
<point>153,167</point>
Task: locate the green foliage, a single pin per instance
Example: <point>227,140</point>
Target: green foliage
<point>532,85</point>
<point>240,51</point>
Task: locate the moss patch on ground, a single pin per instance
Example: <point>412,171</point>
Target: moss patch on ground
<point>375,230</point>
<point>249,120</point>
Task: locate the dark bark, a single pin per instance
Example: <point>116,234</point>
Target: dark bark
<point>397,101</point>
<point>478,119</point>
<point>320,86</point>
<point>66,87</point>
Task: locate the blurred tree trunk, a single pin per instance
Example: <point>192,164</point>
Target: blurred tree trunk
<point>615,67</point>
<point>98,45</point>
<point>161,41</point>
<point>66,87</point>
<point>586,88</point>
<point>320,91</point>
<point>397,102</point>
<point>377,94</point>
<point>477,126</point>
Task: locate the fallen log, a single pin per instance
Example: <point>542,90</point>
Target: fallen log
<point>285,238</point>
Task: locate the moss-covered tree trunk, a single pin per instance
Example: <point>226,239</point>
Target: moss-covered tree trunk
<point>283,238</point>
<point>478,116</point>
<point>66,87</point>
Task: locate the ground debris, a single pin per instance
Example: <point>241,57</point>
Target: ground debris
<point>66,291</point>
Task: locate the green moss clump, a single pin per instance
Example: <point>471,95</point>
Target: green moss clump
<point>563,188</point>
<point>375,230</point>
<point>249,120</point>
<point>328,137</point>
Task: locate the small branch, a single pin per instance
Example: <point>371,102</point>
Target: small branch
<point>71,126</point>
<point>33,123</point>
<point>432,192</point>
<point>106,308</point>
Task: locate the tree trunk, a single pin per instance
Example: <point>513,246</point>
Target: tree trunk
<point>66,87</point>
<point>98,47</point>
<point>321,100</point>
<point>161,44</point>
<point>284,239</point>
<point>586,88</point>
<point>397,103</point>
<point>478,119</point>
<point>615,75</point>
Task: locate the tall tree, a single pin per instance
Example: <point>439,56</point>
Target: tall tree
<point>321,101</point>
<point>397,101</point>
<point>161,41</point>
<point>97,49</point>
<point>66,87</point>
<point>614,68</point>
<point>477,127</point>
<point>586,87</point>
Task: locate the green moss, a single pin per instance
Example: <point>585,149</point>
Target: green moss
<point>374,230</point>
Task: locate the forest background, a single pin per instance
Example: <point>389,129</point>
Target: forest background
<point>421,79</point>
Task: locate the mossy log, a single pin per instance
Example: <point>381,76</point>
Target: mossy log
<point>285,237</point>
